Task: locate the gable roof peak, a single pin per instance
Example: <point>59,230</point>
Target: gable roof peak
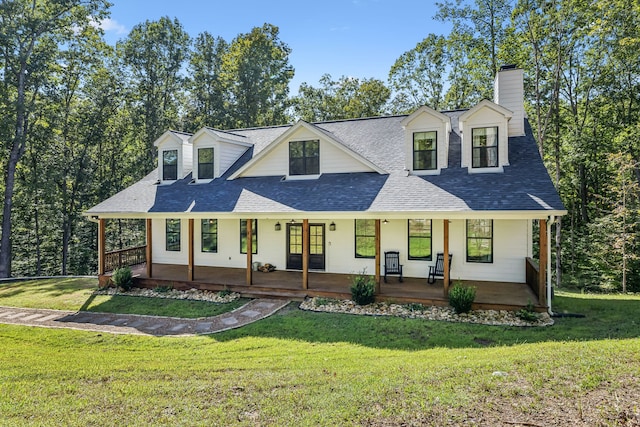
<point>424,109</point>
<point>485,103</point>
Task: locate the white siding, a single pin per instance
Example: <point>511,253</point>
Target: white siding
<point>485,117</point>
<point>228,154</point>
<point>335,160</point>
<point>509,93</point>
<point>425,123</point>
<point>187,159</point>
<point>511,244</point>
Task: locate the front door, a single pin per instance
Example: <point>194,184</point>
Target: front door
<point>316,247</point>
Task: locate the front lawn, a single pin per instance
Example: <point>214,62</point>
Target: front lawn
<point>304,368</point>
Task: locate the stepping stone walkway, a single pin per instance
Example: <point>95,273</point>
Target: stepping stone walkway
<point>142,325</point>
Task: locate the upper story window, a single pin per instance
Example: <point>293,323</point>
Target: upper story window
<point>304,157</point>
<point>424,150</point>
<point>170,165</point>
<point>485,147</point>
<point>205,163</point>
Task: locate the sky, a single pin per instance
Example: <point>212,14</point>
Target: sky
<point>355,38</point>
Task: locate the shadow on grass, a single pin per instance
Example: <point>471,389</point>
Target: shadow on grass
<point>604,319</point>
<point>53,287</point>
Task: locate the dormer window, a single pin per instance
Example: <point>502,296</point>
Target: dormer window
<point>205,163</point>
<point>304,157</point>
<point>485,147</point>
<point>170,165</point>
<point>425,150</point>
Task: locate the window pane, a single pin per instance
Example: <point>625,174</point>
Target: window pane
<point>304,157</point>
<point>205,163</point>
<point>209,235</point>
<point>480,240</point>
<point>172,235</point>
<point>243,236</point>
<point>365,238</point>
<point>170,165</point>
<point>420,239</point>
<point>485,147</point>
<point>424,150</point>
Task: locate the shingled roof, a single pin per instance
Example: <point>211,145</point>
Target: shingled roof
<point>523,186</point>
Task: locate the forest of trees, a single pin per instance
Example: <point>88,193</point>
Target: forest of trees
<point>78,117</point>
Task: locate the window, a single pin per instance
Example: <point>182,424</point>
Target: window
<point>480,240</point>
<point>243,236</point>
<point>172,236</point>
<point>209,235</point>
<point>420,239</point>
<point>485,147</point>
<point>365,238</point>
<point>424,151</point>
<point>170,165</point>
<point>304,157</point>
<point>205,163</point>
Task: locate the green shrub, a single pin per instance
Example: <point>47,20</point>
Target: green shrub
<point>528,314</point>
<point>163,288</point>
<point>461,298</point>
<point>223,293</point>
<point>363,288</point>
<point>123,278</point>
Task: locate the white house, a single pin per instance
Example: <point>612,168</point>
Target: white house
<point>319,200</point>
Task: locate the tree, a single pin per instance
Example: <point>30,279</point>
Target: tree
<point>29,32</point>
<point>154,54</point>
<point>255,74</point>
<point>417,76</point>
<point>346,98</point>
<point>206,101</point>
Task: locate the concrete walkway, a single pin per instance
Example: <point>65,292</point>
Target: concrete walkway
<point>139,324</point>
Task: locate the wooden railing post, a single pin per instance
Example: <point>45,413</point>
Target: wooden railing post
<point>542,267</point>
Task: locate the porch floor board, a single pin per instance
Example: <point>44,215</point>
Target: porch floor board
<point>288,284</point>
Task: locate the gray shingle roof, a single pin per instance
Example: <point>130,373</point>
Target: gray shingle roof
<point>523,186</point>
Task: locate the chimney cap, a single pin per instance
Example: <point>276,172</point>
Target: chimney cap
<point>508,67</point>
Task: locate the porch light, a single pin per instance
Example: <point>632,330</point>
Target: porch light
<point>332,226</point>
<point>293,221</point>
<point>278,226</point>
<point>385,221</point>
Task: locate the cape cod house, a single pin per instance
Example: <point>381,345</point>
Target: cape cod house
<point>323,201</point>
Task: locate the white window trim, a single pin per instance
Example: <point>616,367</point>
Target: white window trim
<point>289,177</point>
<point>216,167</point>
<point>161,152</point>
<point>439,130</point>
<point>467,146</point>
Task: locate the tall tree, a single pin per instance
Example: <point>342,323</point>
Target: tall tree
<point>256,74</point>
<point>346,98</point>
<point>29,31</point>
<point>154,54</point>
<point>417,76</point>
<point>207,104</point>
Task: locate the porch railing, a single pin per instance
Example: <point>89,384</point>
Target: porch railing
<point>125,257</point>
<point>532,272</point>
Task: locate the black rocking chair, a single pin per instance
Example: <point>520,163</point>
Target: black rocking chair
<point>392,264</point>
<point>438,269</point>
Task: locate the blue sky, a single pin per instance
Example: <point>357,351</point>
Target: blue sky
<point>358,38</point>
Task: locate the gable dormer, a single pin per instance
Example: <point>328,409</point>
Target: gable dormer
<point>485,137</point>
<point>305,151</point>
<point>175,156</point>
<point>426,141</point>
<point>214,152</point>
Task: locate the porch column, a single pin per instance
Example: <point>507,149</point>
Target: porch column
<point>149,249</point>
<point>377,256</point>
<point>305,254</point>
<point>249,251</point>
<point>101,245</point>
<point>190,272</point>
<point>445,280</point>
<point>542,272</point>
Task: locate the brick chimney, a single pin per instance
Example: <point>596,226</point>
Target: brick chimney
<point>508,92</point>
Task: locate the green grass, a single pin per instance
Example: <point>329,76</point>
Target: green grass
<point>77,294</point>
<point>305,368</point>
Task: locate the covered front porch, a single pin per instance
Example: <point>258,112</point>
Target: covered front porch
<point>289,284</point>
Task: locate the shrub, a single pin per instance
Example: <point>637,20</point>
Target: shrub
<point>363,288</point>
<point>123,278</point>
<point>163,288</point>
<point>528,314</point>
<point>223,293</point>
<point>461,298</point>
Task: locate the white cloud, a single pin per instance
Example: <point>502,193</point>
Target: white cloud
<point>109,24</point>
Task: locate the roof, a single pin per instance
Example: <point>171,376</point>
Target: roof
<point>524,185</point>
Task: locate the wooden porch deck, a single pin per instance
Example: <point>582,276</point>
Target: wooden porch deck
<point>288,284</point>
